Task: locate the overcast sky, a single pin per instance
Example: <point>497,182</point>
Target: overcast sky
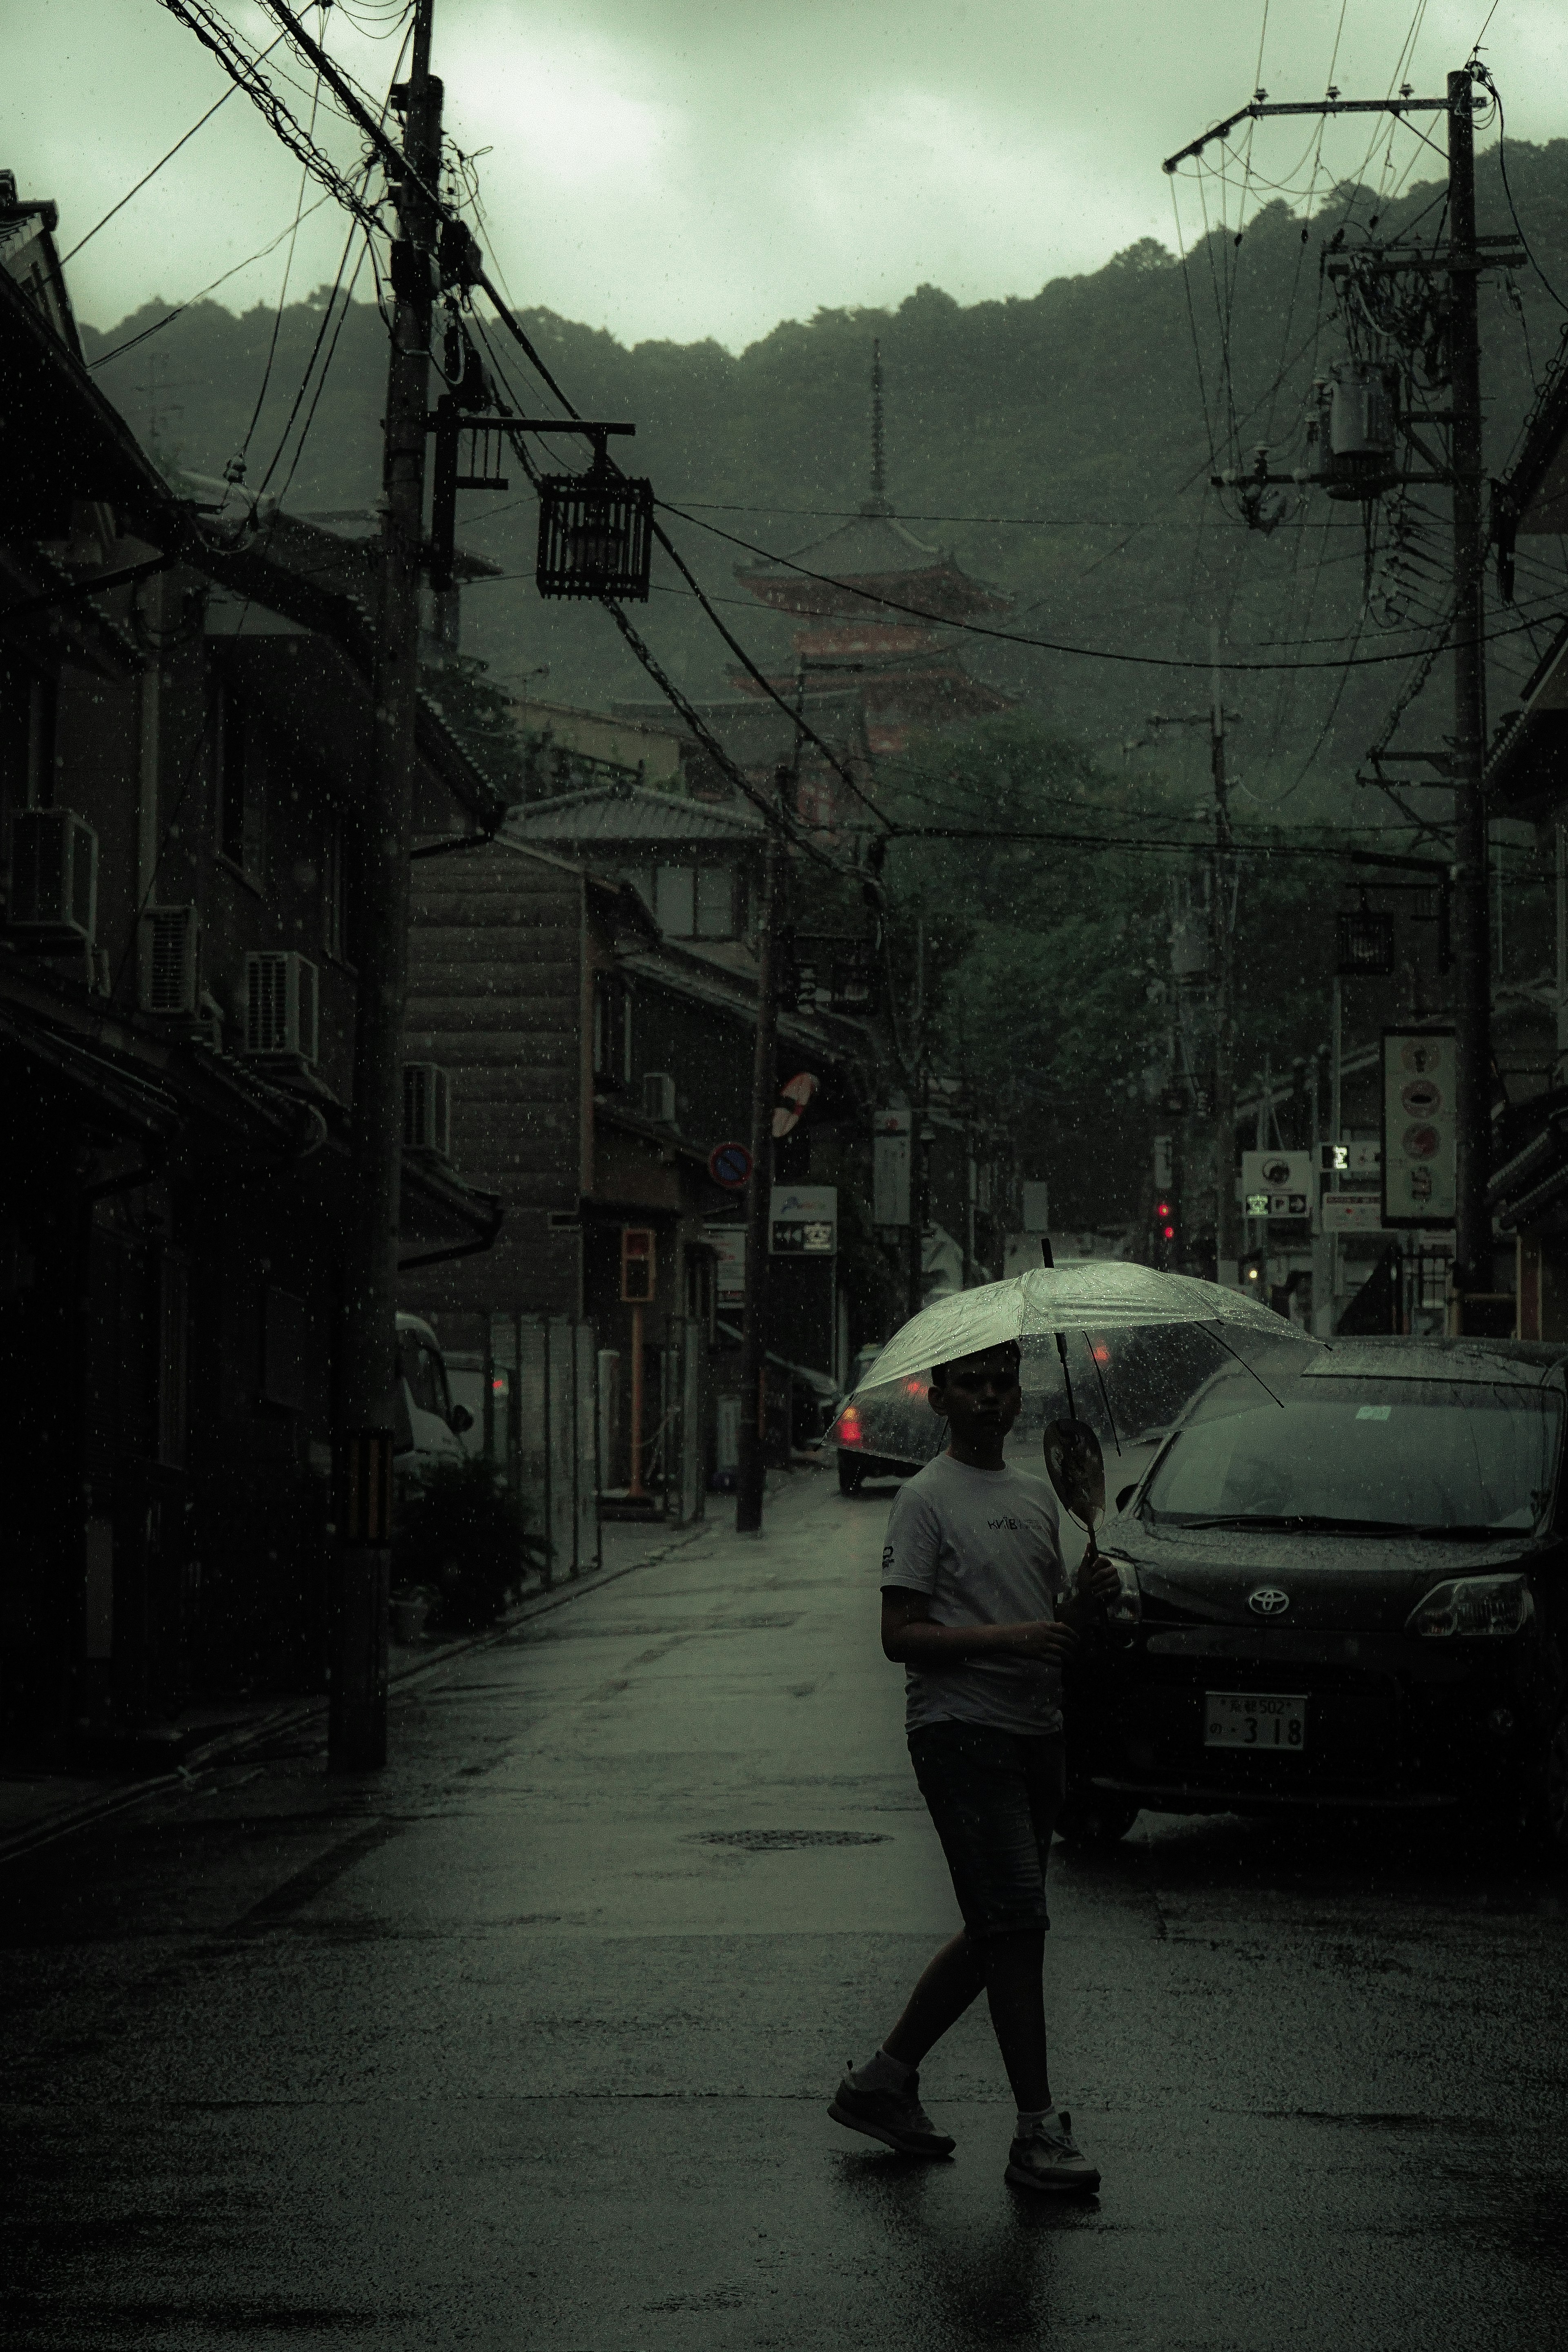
<point>684,168</point>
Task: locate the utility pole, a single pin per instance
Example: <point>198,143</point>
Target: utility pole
<point>752,1478</point>
<point>920,1103</point>
<point>1351,468</point>
<point>1222,912</point>
<point>1472,1040</point>
<point>368,1372</point>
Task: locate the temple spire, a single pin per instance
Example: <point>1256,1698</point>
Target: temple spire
<point>877,504</point>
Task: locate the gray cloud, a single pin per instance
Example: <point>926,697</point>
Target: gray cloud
<point>684,168</point>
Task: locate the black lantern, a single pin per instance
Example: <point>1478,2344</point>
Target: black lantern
<point>1366,945</point>
<point>595,533</point>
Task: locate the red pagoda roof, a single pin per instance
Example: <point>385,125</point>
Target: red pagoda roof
<point>869,557</point>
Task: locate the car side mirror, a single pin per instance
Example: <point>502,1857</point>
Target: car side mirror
<point>1126,1496</point>
<point>460,1420</point>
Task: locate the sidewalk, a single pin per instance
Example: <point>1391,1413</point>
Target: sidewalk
<point>36,1809</point>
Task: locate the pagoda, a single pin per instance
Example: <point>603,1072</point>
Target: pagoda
<point>874,603</point>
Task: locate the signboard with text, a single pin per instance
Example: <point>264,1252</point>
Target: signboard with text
<point>1277,1184</point>
<point>729,1246</point>
<point>1352,1213</point>
<point>890,1166</point>
<point>805,1220</point>
<point>1420,1157</point>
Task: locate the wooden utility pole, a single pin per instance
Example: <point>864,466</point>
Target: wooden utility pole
<point>752,1478</point>
<point>1222,919</point>
<point>368,1366</point>
<point>1472,1040</point>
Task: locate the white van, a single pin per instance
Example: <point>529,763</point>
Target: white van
<point>429,1427</point>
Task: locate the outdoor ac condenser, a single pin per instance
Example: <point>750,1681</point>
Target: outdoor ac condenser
<point>658,1097</point>
<point>54,878</point>
<point>280,1005</point>
<point>171,976</point>
<point>427,1108</point>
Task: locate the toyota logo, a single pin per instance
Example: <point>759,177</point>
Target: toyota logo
<point>1269,1601</point>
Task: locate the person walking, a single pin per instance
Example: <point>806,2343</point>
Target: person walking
<point>974,1607</point>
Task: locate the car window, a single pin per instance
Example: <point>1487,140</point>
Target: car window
<point>423,1374</point>
<point>1403,1453</point>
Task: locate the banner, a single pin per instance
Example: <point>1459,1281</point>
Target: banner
<point>1420,1157</point>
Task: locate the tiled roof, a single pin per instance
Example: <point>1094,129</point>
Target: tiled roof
<point>629,813</point>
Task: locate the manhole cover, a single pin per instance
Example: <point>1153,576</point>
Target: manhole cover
<point>775,1840</point>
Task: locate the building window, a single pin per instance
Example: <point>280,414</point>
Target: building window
<point>612,1032</point>
<point>715,903</point>
<point>28,703</point>
<point>674,901</point>
<point>239,776</point>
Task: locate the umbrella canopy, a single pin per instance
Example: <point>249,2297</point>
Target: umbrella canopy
<point>1097,1295</point>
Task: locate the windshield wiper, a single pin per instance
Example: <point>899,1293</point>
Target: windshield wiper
<point>1311,1522</point>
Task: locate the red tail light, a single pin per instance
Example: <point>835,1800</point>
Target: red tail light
<point>848,1432</point>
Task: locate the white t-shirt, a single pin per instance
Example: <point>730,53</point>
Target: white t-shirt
<point>984,1545</point>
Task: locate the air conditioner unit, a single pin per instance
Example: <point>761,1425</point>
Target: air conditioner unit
<point>54,878</point>
<point>658,1097</point>
<point>171,975</point>
<point>280,1005</point>
<point>427,1108</point>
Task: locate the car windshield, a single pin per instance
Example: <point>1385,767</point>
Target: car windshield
<point>423,1374</point>
<point>1433,1455</point>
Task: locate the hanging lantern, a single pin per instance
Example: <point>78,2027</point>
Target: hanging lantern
<point>595,533</point>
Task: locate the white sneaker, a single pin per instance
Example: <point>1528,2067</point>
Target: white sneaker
<point>1051,2159</point>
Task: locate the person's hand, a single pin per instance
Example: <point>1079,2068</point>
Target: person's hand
<point>1097,1578</point>
<point>1045,1640</point>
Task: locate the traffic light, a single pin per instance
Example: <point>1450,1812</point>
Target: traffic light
<point>1254,1273</point>
<point>1167,1231</point>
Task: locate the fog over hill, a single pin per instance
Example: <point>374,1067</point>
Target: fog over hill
<point>1059,444</point>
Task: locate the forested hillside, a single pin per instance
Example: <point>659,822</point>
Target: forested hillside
<point>1058,443</point>
<point>1061,446</point>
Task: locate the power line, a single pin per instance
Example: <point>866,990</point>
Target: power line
<point>157,167</point>
<point>180,308</point>
<point>1013,637</point>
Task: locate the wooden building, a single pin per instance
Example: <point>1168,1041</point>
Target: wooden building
<point>589,981</point>
<point>185,720</point>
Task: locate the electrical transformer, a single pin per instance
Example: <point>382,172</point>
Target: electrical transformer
<point>1351,430</point>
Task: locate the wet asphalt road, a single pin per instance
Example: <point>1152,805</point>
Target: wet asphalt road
<point>527,2042</point>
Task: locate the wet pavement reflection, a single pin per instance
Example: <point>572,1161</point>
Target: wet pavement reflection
<point>528,2041</point>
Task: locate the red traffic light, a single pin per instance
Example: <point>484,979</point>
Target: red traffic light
<point>1163,1210</point>
<point>1169,1231</point>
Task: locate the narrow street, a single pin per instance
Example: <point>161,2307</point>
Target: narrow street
<point>527,2040</point>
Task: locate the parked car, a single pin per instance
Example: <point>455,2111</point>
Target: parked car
<point>885,1434</point>
<point>428,1427</point>
<point>1348,1590</point>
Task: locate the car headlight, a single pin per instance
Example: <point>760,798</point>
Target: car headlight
<point>1470,1605</point>
<point>1127,1608</point>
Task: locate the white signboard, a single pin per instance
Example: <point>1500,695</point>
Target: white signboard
<point>729,1273</point>
<point>1277,1184</point>
<point>890,1166</point>
<point>1419,1135</point>
<point>805,1220</point>
<point>1352,1213</point>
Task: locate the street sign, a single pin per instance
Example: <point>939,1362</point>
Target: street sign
<point>805,1220</point>
<point>1278,1184</point>
<point>729,1245</point>
<point>1333,1159</point>
<point>1420,1139</point>
<point>890,1166</point>
<point>1352,1213</point>
<point>729,1164</point>
<point>639,1265</point>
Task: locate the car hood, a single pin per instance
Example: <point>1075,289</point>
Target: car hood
<point>1360,1582</point>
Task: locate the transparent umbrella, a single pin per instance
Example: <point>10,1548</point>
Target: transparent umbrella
<point>1098,1295</point>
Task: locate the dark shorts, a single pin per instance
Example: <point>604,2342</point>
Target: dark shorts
<point>994,1797</point>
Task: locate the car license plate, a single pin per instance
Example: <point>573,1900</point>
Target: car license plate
<point>1255,1719</point>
